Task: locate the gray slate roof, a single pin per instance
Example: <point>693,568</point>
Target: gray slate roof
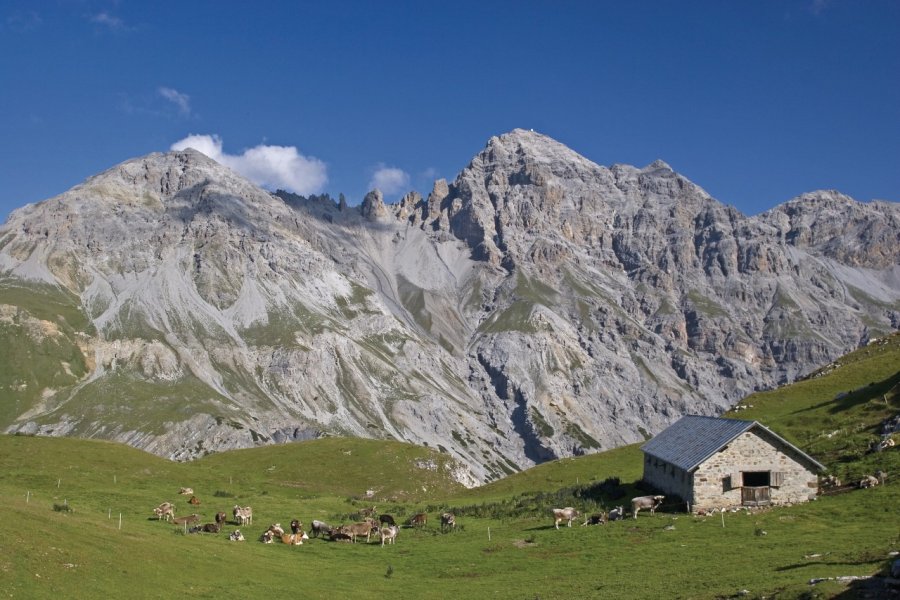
<point>692,439</point>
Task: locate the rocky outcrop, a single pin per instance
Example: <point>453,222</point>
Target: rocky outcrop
<point>538,306</point>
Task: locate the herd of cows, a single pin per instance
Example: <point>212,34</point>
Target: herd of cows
<point>385,527</point>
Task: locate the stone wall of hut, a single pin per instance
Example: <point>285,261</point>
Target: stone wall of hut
<point>717,482</point>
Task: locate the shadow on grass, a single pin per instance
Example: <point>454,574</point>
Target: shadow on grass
<point>815,563</point>
<point>856,397</point>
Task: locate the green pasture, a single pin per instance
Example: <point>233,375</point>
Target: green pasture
<point>61,536</point>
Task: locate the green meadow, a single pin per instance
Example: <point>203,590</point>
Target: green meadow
<point>79,523</point>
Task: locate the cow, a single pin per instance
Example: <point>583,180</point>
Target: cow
<point>649,502</point>
<point>220,518</point>
<point>617,514</point>
<point>418,520</point>
<point>236,536</point>
<point>166,511</point>
<point>194,500</point>
<point>389,534</point>
<point>243,516</point>
<point>595,519</point>
<point>337,534</point>
<point>358,529</point>
<point>188,520</point>
<point>868,481</point>
<point>448,521</point>
<point>276,529</point>
<point>320,527</point>
<point>186,491</point>
<point>294,539</point>
<point>267,537</point>
<point>367,512</point>
<point>207,528</point>
<point>567,514</point>
<point>386,520</point>
<point>296,526</point>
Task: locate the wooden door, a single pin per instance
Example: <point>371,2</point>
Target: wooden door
<point>755,496</point>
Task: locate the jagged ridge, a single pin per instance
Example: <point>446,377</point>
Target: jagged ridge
<point>538,306</point>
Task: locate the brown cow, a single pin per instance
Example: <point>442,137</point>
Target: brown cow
<point>418,520</point>
<point>194,500</point>
<point>294,539</point>
<point>355,530</point>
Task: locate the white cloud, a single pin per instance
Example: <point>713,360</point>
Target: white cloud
<point>269,166</point>
<point>390,180</point>
<point>181,101</point>
<point>108,20</point>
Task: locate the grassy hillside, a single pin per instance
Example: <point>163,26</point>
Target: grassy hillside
<point>505,547</point>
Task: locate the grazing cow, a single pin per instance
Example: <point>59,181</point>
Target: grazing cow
<point>294,539</point>
<point>367,512</point>
<point>194,500</point>
<point>243,516</point>
<point>296,526</point>
<point>649,502</point>
<point>188,520</point>
<point>236,536</point>
<point>320,527</point>
<point>220,517</point>
<point>166,511</point>
<point>595,519</point>
<point>617,514</point>
<point>386,520</point>
<point>448,521</point>
<point>567,514</point>
<point>186,491</point>
<point>389,534</point>
<point>418,520</point>
<point>355,530</point>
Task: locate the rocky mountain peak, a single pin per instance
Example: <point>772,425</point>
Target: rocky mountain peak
<point>538,306</point>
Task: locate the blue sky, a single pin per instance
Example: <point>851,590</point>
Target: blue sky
<point>755,101</point>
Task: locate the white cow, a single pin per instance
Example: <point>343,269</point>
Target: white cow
<point>389,534</point>
<point>649,502</point>
<point>567,514</point>
<point>243,515</point>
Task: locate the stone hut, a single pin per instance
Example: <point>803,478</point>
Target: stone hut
<point>724,463</point>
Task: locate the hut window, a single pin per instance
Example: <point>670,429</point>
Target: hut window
<point>757,478</point>
<point>777,478</point>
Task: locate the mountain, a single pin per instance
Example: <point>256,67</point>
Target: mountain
<point>538,306</point>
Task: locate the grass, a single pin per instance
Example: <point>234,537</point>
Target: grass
<point>505,545</point>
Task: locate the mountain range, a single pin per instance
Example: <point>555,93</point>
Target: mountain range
<point>538,306</point>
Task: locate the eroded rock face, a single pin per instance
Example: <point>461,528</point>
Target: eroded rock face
<point>538,306</point>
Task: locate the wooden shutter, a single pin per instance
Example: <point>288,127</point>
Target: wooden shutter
<point>776,478</point>
<point>736,480</point>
